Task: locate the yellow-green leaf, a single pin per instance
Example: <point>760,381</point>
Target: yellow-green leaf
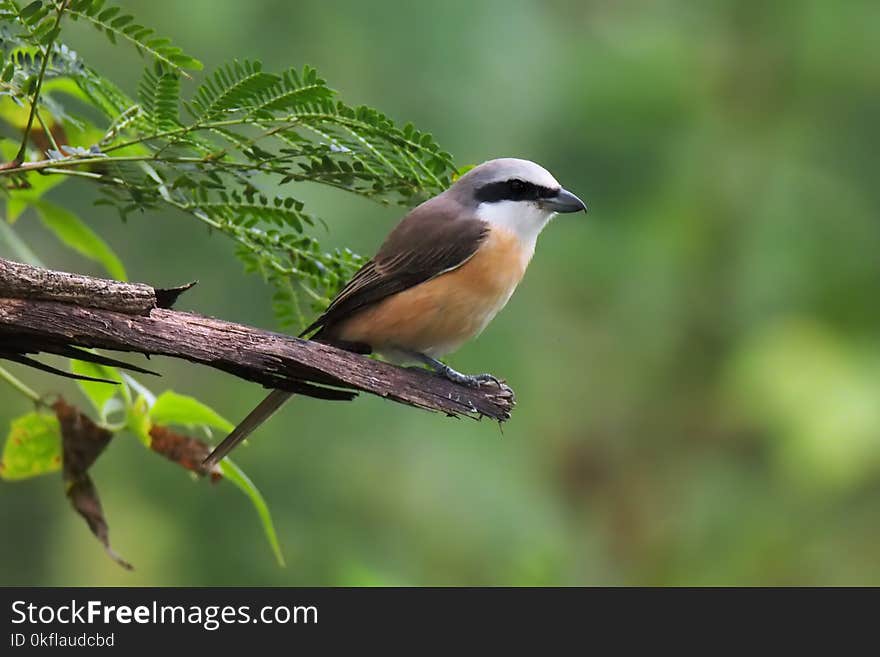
<point>33,447</point>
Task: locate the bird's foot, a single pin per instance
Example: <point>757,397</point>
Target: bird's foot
<point>469,380</point>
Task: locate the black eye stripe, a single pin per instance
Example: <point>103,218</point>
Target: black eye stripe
<point>514,189</point>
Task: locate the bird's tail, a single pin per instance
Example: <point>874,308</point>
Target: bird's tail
<point>255,418</point>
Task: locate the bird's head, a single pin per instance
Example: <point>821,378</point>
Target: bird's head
<point>516,194</point>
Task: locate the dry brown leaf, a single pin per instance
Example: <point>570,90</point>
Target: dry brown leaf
<point>182,449</point>
<point>82,442</point>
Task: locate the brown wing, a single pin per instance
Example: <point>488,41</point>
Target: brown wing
<point>436,237</point>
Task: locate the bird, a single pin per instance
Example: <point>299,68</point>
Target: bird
<point>439,278</point>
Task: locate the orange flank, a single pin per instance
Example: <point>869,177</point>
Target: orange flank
<point>439,315</point>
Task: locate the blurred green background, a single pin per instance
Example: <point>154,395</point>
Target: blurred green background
<point>697,361</point>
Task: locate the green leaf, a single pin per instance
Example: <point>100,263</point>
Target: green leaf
<point>31,8</point>
<point>173,408</point>
<point>279,214</point>
<point>33,447</point>
<point>50,36</point>
<point>102,395</point>
<point>234,474</point>
<point>74,233</point>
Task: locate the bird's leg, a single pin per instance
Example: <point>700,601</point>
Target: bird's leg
<point>470,380</point>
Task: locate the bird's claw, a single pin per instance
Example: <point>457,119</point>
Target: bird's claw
<point>488,378</point>
<point>471,381</point>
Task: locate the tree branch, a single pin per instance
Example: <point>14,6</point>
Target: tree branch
<point>22,281</point>
<point>45,311</point>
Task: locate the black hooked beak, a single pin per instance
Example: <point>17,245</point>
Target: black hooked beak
<point>565,201</point>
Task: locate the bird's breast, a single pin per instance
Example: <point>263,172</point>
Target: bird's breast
<point>439,315</point>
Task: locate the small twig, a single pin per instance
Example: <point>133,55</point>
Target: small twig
<point>77,174</point>
<point>19,158</point>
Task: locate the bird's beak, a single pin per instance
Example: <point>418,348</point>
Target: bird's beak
<point>565,201</point>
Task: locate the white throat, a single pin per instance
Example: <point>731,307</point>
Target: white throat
<point>524,219</point>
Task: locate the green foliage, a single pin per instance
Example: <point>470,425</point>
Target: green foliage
<point>249,136</point>
<point>36,20</point>
<point>33,447</point>
<point>139,413</point>
<point>33,444</point>
<point>251,132</point>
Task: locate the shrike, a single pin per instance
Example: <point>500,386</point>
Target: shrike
<point>440,277</point>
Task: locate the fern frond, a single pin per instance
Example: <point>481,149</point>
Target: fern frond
<point>290,93</point>
<point>116,25</point>
<point>232,87</point>
<point>281,212</point>
<point>159,93</point>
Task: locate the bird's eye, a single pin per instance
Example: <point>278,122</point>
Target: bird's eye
<point>517,186</point>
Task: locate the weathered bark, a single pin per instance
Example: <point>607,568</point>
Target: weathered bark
<point>20,281</point>
<point>30,323</point>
